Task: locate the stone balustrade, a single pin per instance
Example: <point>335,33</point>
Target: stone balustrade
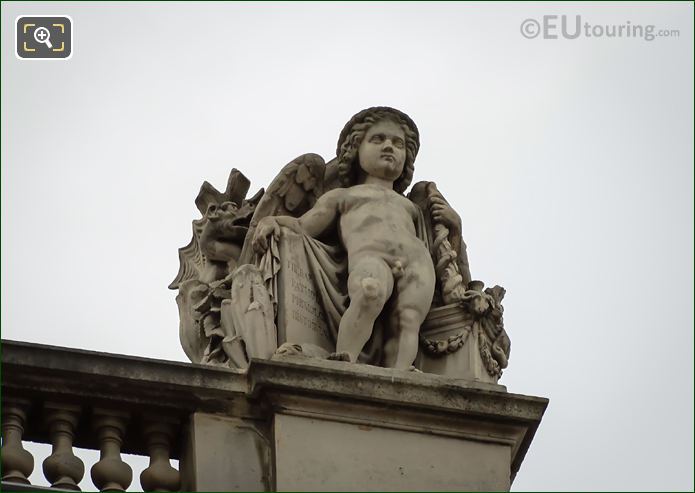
<point>115,404</point>
<point>283,424</point>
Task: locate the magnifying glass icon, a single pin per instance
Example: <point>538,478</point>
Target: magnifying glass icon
<point>43,35</point>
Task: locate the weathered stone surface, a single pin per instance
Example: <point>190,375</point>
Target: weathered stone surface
<point>393,387</point>
<point>352,265</point>
<point>257,430</point>
<point>301,318</point>
<point>451,345</point>
<point>249,315</point>
<point>385,424</point>
<point>381,231</point>
<point>160,475</point>
<point>226,454</point>
<point>17,463</point>
<point>142,385</point>
<point>62,468</point>
<point>329,455</point>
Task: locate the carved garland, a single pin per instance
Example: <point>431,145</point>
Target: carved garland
<point>440,347</point>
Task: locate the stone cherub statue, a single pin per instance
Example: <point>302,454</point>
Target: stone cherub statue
<point>386,258</point>
<point>369,265</point>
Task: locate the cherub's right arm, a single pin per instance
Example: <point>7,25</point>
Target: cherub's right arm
<point>314,222</point>
<point>320,218</point>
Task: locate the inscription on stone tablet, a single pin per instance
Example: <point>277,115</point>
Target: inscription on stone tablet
<point>300,316</point>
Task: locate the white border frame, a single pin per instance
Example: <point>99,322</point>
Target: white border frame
<point>72,38</point>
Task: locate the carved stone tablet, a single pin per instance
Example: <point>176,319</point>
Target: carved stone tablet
<point>300,316</point>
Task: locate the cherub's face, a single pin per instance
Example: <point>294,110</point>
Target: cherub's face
<point>382,151</point>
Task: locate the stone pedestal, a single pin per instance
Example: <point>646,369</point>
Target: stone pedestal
<point>308,424</point>
<point>327,425</point>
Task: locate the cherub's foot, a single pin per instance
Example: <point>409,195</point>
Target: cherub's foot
<point>342,356</point>
<point>306,350</point>
<point>289,349</point>
<point>413,369</point>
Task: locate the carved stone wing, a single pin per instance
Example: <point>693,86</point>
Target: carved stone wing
<point>191,258</point>
<point>293,192</point>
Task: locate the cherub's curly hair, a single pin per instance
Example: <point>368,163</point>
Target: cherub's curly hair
<point>353,133</point>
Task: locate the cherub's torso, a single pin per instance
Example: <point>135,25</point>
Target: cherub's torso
<point>379,222</point>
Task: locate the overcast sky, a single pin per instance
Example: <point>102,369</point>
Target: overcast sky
<point>569,160</point>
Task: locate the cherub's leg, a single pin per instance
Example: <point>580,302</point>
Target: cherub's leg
<point>391,343</point>
<point>370,284</point>
<point>409,321</point>
<point>410,307</point>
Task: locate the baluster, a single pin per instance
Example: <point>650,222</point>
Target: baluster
<point>160,475</point>
<point>62,468</point>
<point>17,463</point>
<point>111,473</point>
